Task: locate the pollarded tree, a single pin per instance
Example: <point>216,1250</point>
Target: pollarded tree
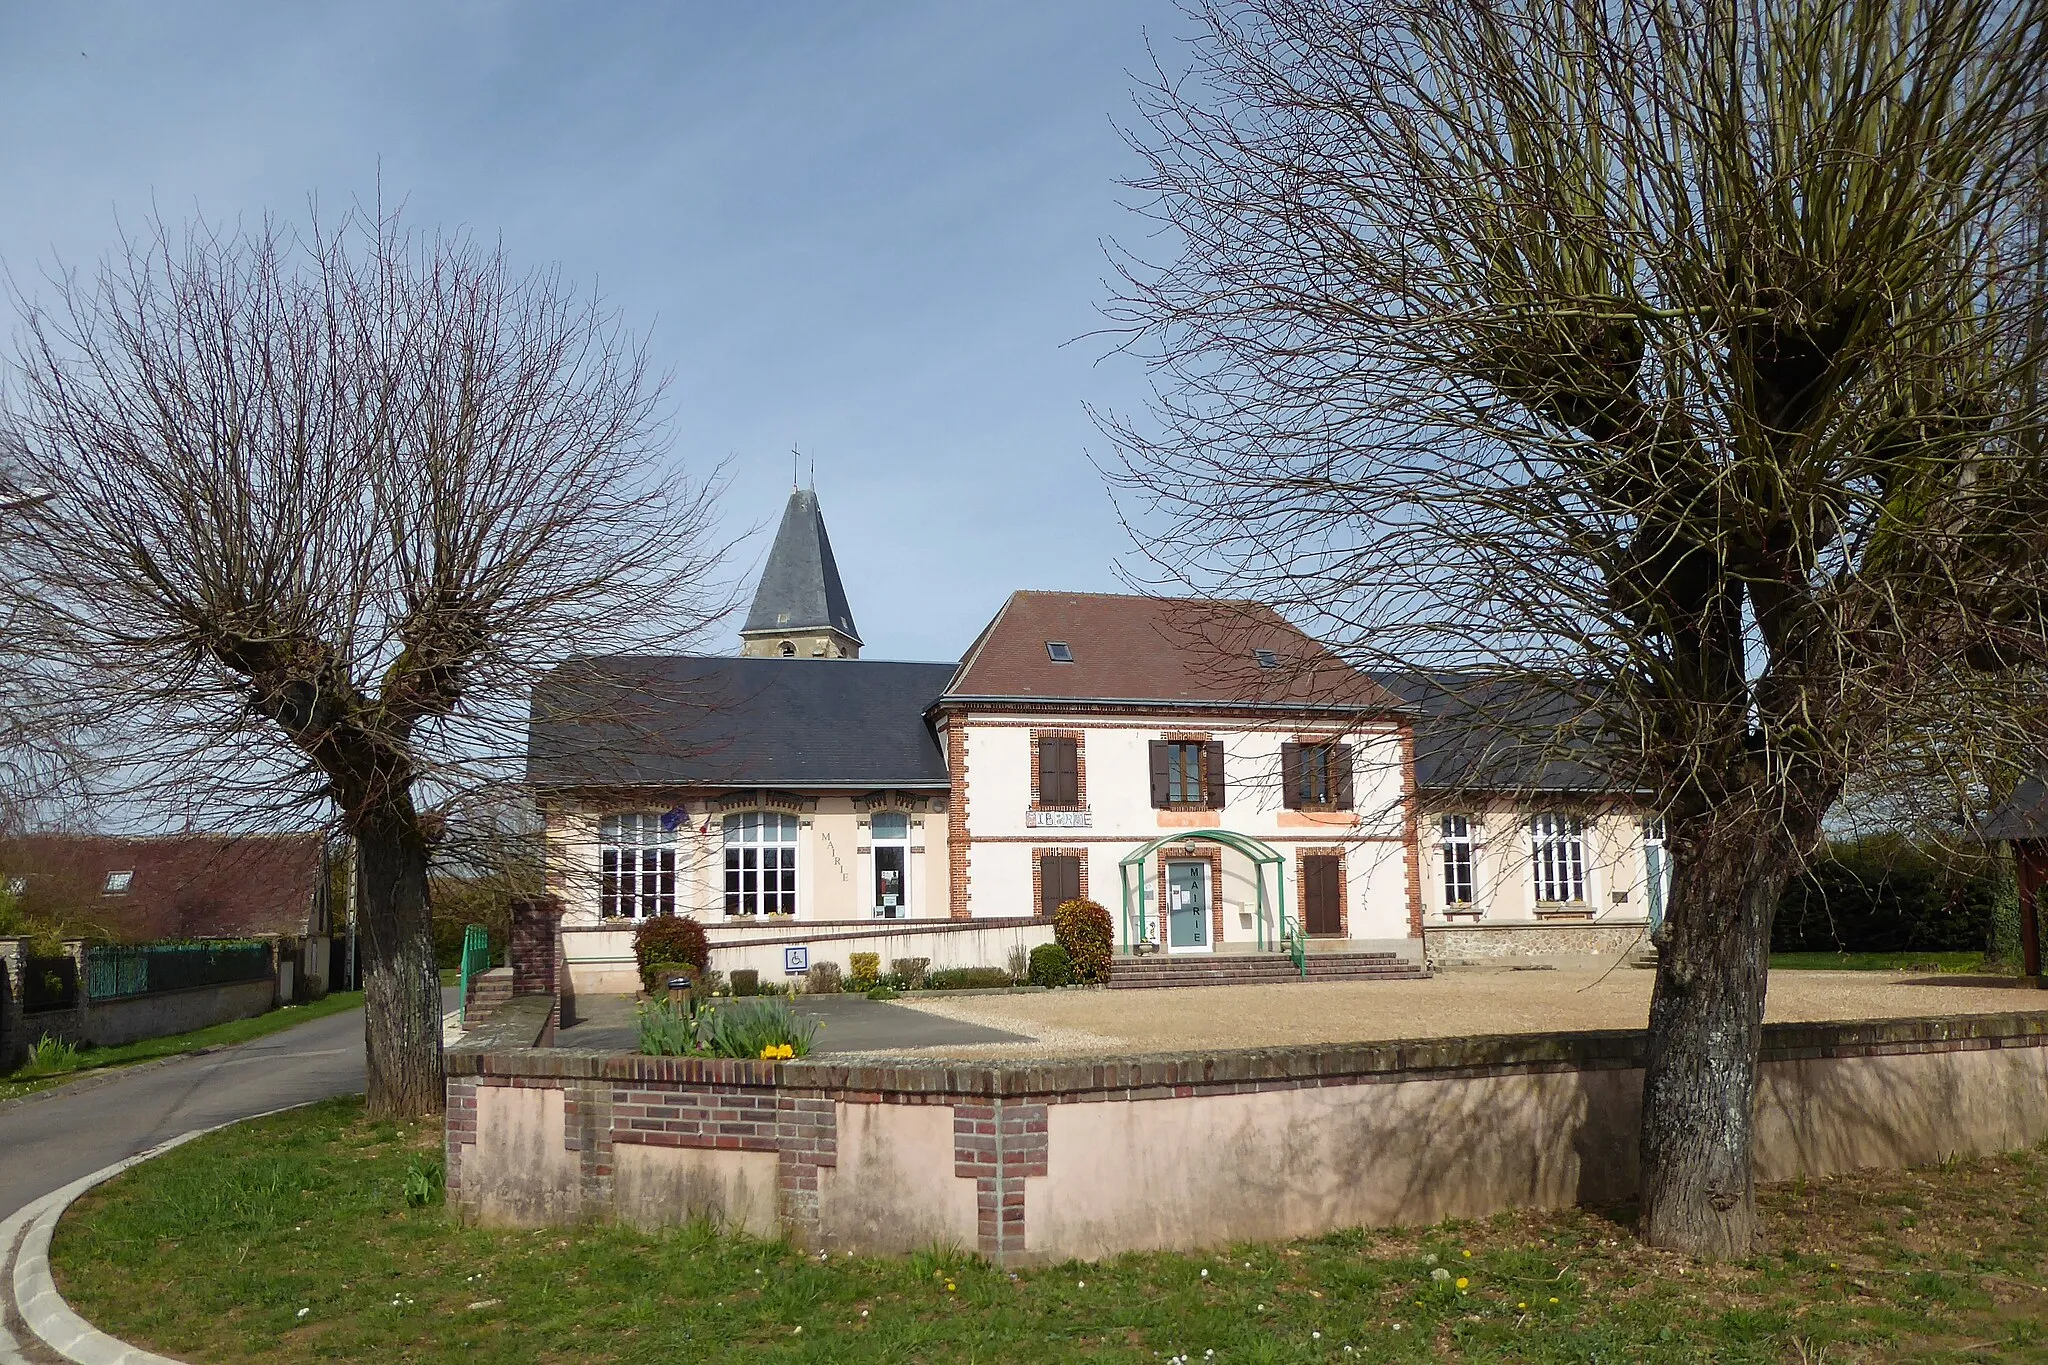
<point>321,505</point>
<point>1669,355</point>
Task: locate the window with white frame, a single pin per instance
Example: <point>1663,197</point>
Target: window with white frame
<point>1454,838</point>
<point>1558,859</point>
<point>760,864</point>
<point>637,858</point>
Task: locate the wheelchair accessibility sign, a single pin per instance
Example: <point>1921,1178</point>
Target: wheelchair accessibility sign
<point>796,961</point>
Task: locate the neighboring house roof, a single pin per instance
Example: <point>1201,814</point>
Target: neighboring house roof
<point>702,722</point>
<point>177,886</point>
<point>1157,650</point>
<point>800,587</point>
<point>1487,733</point>
<point>2023,815</point>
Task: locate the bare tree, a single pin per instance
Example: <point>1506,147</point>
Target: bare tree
<point>1664,357</point>
<point>322,504</point>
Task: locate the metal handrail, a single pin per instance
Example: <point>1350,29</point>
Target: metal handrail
<point>1294,942</point>
<point>476,960</point>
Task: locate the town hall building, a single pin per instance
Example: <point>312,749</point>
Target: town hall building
<point>1218,779</point>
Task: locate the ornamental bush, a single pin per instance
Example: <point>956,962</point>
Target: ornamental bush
<point>746,981</point>
<point>966,979</point>
<point>822,979</point>
<point>1050,966</point>
<point>910,971</point>
<point>1084,929</point>
<point>866,970</point>
<point>671,938</point>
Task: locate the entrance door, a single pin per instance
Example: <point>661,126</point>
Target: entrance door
<point>890,836</point>
<point>1322,894</point>
<point>1187,907</point>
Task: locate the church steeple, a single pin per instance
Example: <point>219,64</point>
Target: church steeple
<point>800,609</point>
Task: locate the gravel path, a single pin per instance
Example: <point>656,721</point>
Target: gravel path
<point>1457,1003</point>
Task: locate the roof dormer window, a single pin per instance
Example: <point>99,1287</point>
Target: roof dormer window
<point>1267,658</point>
<point>1059,651</point>
<point>117,883</point>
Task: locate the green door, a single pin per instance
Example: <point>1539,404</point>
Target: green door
<point>1187,907</point>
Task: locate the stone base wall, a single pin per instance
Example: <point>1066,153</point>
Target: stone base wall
<point>1042,1162</point>
<point>1448,944</point>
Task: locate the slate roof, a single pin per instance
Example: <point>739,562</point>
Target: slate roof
<point>1480,733</point>
<point>677,721</point>
<point>183,885</point>
<point>2023,815</point>
<point>800,587</point>
<point>1152,650</point>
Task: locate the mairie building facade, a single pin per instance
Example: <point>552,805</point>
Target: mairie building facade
<point>1212,775</point>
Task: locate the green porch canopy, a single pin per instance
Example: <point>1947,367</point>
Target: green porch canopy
<point>1137,921</point>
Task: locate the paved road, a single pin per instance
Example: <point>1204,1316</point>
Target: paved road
<point>47,1142</point>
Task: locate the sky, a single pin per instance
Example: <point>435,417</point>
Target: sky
<point>872,232</point>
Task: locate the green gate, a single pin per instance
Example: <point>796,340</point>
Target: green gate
<point>476,960</point>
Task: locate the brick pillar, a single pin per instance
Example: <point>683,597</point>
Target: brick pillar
<point>535,951</point>
<point>13,1028</point>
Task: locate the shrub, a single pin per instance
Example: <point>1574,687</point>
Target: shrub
<point>1020,963</point>
<point>1085,930</point>
<point>1050,966</point>
<point>867,968</point>
<point>966,979</point>
<point>882,993</point>
<point>910,971</point>
<point>822,979</point>
<point>1885,894</point>
<point>746,981</point>
<point>671,938</point>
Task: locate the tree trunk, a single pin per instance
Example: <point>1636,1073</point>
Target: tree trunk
<point>1706,1026</point>
<point>401,984</point>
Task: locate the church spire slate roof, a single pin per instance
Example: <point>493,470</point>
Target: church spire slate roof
<point>800,588</point>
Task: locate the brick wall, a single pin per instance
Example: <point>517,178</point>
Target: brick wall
<point>1052,1160</point>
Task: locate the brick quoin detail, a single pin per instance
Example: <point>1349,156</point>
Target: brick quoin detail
<point>999,1145</point>
<point>956,819</point>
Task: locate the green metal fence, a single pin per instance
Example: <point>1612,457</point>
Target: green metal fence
<point>476,960</point>
<point>122,971</point>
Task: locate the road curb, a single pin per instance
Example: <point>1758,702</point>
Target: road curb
<point>99,1076</point>
<point>36,1300</point>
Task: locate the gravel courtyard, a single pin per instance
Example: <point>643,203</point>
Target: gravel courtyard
<point>1457,1003</point>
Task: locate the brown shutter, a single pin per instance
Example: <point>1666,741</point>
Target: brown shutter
<point>1159,801</point>
<point>1059,772</point>
<point>1059,881</point>
<point>1290,776</point>
<point>1340,781</point>
<point>1213,761</point>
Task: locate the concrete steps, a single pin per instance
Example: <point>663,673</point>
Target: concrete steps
<point>486,993</point>
<point>1252,969</point>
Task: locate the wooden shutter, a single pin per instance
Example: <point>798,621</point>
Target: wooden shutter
<point>1290,775</point>
<point>1059,772</point>
<point>1322,911</point>
<point>1059,881</point>
<point>1212,759</point>
<point>1340,780</point>
<point>1159,801</point>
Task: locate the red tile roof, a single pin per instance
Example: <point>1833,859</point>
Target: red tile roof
<point>1150,649</point>
<point>183,885</point>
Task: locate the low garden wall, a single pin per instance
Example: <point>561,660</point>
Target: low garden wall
<point>599,960</point>
<point>1489,942</point>
<point>1042,1161</point>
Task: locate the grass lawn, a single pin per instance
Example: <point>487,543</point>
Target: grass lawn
<point>291,1239</point>
<point>28,1080</point>
<point>1879,962</point>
